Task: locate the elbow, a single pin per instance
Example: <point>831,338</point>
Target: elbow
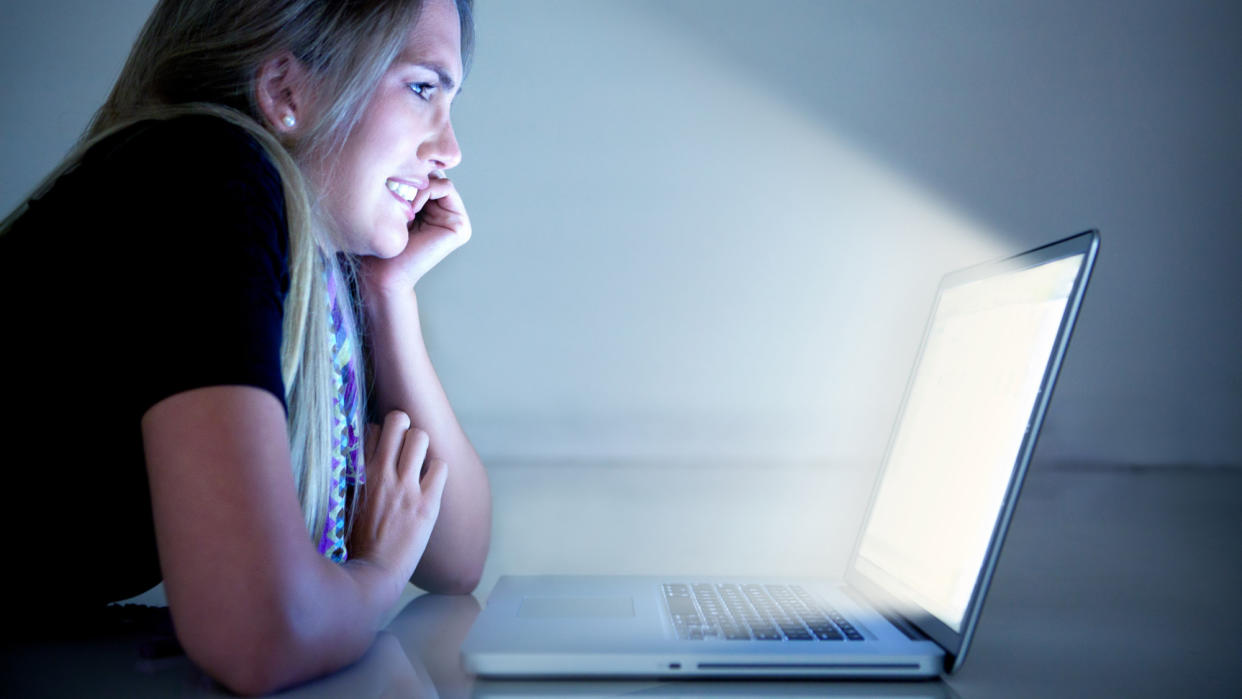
<point>247,656</point>
<point>246,678</point>
<point>460,582</point>
<point>459,577</point>
<point>467,583</point>
<point>247,675</point>
<point>455,565</point>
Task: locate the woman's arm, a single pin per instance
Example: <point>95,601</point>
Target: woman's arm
<point>405,380</point>
<point>252,601</point>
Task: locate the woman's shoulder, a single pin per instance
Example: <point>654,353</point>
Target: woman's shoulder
<point>206,179</point>
<point>189,147</point>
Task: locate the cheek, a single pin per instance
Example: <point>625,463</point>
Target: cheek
<point>352,192</point>
<point>345,211</point>
<point>334,186</point>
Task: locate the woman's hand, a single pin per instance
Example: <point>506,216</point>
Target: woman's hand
<point>440,227</point>
<point>401,499</point>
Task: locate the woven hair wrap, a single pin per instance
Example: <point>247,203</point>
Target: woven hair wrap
<point>347,466</point>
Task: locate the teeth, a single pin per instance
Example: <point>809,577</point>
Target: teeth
<point>405,191</point>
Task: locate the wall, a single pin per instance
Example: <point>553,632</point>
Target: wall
<point>710,229</point>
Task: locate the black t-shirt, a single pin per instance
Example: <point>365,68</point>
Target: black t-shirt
<point>157,265</point>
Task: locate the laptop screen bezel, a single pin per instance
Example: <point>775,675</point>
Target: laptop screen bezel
<point>956,643</point>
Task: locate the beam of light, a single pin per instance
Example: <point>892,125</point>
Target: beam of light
<point>717,274</point>
<point>695,272</point>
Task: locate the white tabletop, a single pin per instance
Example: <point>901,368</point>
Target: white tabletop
<point>1113,581</point>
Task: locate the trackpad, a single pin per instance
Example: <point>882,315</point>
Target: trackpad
<point>576,607</point>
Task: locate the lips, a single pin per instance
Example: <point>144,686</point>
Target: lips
<point>406,191</point>
<point>407,206</point>
<point>402,189</point>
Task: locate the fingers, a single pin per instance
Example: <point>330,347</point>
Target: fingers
<point>388,443</point>
<point>444,193</point>
<point>399,444</point>
<point>413,452</point>
<point>421,199</point>
<point>437,188</point>
<point>440,187</point>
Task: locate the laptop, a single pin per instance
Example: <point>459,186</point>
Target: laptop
<point>915,583</point>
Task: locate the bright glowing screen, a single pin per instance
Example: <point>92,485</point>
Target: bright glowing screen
<point>960,434</point>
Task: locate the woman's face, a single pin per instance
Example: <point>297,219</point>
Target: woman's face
<point>404,135</point>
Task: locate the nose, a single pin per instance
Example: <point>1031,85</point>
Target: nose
<point>442,149</point>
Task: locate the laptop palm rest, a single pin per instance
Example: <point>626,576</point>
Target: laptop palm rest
<point>576,607</point>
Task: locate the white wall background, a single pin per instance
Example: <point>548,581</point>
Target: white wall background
<point>709,229</point>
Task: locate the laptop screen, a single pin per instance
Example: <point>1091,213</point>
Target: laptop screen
<point>969,407</point>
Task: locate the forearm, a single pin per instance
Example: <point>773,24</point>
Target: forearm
<point>406,380</point>
<point>252,601</point>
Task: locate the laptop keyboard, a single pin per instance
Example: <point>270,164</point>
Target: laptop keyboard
<point>762,612</point>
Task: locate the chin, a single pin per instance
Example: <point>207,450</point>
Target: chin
<point>391,246</point>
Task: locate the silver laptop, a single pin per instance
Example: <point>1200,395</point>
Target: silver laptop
<point>916,581</point>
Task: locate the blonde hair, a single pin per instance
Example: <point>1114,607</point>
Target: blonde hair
<point>202,57</point>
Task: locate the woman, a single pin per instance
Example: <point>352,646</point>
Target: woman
<point>196,299</point>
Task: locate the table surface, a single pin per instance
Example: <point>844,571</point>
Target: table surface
<point>1113,581</point>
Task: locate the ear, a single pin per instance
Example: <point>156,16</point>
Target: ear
<point>282,92</point>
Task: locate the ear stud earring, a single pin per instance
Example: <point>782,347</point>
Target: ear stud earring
<point>289,121</point>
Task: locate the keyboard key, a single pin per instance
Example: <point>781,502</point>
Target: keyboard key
<point>682,605</point>
<point>730,611</point>
<point>766,633</point>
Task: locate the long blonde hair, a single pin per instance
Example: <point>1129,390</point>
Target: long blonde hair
<point>203,56</point>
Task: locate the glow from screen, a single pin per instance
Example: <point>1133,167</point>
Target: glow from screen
<point>960,434</point>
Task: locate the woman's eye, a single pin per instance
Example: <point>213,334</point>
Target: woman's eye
<point>423,90</point>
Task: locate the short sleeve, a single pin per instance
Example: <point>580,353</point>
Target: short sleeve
<point>205,259</point>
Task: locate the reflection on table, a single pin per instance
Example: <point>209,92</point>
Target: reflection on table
<point>1113,582</point>
<point>417,655</point>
